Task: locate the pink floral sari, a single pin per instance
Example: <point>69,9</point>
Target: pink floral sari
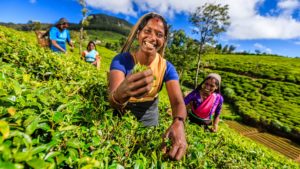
<point>207,107</point>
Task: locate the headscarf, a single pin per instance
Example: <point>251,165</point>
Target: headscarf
<point>61,21</point>
<point>212,75</point>
<point>217,77</point>
<point>139,26</point>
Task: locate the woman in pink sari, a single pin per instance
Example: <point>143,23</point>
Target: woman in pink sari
<point>206,101</point>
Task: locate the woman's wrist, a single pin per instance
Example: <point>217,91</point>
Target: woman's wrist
<point>117,101</point>
<point>178,118</point>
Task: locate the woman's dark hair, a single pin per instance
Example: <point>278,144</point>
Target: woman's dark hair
<point>90,42</point>
<point>209,77</point>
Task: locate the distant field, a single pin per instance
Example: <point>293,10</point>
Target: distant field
<point>268,67</point>
<point>104,36</point>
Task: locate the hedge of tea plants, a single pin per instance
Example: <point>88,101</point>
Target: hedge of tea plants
<point>262,66</point>
<point>275,105</point>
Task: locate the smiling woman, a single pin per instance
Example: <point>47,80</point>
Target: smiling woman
<point>206,101</point>
<point>138,92</point>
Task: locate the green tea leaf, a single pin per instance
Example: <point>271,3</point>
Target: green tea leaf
<point>4,129</point>
<point>22,156</point>
<point>44,126</point>
<point>58,117</point>
<point>39,149</point>
<point>52,154</point>
<point>72,127</point>
<point>17,87</point>
<point>75,143</point>
<point>32,127</point>
<point>139,68</point>
<point>115,166</point>
<point>37,163</point>
<point>73,153</point>
<point>7,165</point>
<point>11,99</point>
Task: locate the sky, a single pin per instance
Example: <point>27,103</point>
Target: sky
<point>270,26</point>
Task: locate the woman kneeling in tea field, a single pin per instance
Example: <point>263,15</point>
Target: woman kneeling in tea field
<point>138,92</point>
<point>90,55</point>
<point>206,101</point>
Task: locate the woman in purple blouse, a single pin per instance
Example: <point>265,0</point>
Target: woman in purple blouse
<point>206,101</point>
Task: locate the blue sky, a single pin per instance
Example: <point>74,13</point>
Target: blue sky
<point>271,26</point>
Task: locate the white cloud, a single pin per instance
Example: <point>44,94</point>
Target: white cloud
<point>297,42</point>
<point>258,45</point>
<point>246,22</point>
<point>288,7</point>
<point>288,4</point>
<point>262,48</point>
<point>32,1</point>
<point>115,6</point>
<point>236,45</point>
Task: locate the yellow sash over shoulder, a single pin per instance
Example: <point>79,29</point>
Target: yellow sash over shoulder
<point>158,66</point>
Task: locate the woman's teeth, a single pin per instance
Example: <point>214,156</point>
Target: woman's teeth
<point>149,45</point>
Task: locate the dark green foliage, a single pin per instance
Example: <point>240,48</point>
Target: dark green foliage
<point>109,23</point>
<point>181,52</point>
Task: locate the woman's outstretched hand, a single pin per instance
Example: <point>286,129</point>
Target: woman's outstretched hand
<point>177,135</point>
<point>135,85</point>
<point>214,129</point>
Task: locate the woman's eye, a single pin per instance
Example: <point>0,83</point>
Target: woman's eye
<point>160,35</point>
<point>147,31</point>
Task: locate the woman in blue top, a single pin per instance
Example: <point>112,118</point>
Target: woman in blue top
<point>90,55</point>
<point>138,92</point>
<point>58,35</point>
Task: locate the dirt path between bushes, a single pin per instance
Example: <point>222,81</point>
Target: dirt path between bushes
<point>279,144</point>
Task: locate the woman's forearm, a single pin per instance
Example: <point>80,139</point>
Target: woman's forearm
<point>216,121</point>
<point>179,110</point>
<point>54,43</point>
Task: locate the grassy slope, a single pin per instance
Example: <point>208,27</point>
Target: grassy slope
<point>104,36</point>
<point>73,125</point>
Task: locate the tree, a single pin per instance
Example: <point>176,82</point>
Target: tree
<point>231,48</point>
<point>218,48</point>
<point>210,20</point>
<point>257,51</point>
<point>34,25</point>
<point>225,49</point>
<point>181,51</point>
<point>84,22</point>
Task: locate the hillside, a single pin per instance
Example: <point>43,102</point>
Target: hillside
<point>109,23</point>
<point>54,114</point>
<point>98,22</point>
